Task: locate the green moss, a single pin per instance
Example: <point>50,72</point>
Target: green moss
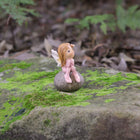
<point>18,85</point>
<point>21,65</point>
<point>52,97</point>
<point>26,90</point>
<point>103,78</point>
<point>109,100</point>
<point>9,112</point>
<point>133,77</point>
<point>29,82</point>
<point>1,62</point>
<point>106,81</point>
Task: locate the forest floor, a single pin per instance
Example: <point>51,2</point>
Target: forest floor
<point>117,50</point>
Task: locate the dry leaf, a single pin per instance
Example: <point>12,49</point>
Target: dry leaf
<point>114,66</point>
<point>2,46</point>
<point>83,35</point>
<point>126,58</point>
<point>106,60</point>
<point>6,54</point>
<point>37,48</point>
<point>86,58</point>
<point>135,70</point>
<point>48,47</point>
<point>5,46</point>
<point>114,59</point>
<point>25,56</point>
<point>122,65</point>
<point>135,67</point>
<point>101,50</point>
<point>53,42</point>
<point>136,55</point>
<point>79,54</point>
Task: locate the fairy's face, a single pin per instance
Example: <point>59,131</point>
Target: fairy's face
<point>65,51</point>
<point>69,52</point>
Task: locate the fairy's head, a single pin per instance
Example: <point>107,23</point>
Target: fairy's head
<point>65,51</point>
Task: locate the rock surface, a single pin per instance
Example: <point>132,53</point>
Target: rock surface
<point>107,107</point>
<point>61,84</point>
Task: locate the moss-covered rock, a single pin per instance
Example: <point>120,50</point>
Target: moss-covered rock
<point>106,107</point>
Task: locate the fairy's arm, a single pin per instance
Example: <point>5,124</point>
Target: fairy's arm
<point>68,63</point>
<point>72,62</point>
<point>66,67</point>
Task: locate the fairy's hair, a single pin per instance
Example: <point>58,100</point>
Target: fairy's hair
<point>62,52</point>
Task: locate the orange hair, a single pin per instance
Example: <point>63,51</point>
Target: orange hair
<point>62,51</point>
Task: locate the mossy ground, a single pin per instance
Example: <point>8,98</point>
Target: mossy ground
<point>21,65</point>
<point>25,90</point>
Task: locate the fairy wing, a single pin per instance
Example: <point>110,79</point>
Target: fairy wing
<point>56,57</point>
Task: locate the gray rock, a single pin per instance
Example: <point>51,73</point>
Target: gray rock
<point>61,84</point>
<point>100,120</point>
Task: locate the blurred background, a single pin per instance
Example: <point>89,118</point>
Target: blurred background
<point>106,33</point>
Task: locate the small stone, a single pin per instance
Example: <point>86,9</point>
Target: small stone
<point>61,84</point>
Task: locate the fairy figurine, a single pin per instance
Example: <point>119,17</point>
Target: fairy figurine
<point>64,58</point>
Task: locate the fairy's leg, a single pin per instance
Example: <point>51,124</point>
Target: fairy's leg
<point>75,73</point>
<point>67,75</point>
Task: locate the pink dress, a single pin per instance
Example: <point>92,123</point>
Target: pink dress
<point>69,67</point>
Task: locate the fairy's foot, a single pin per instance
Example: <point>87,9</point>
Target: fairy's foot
<point>67,79</point>
<point>77,78</point>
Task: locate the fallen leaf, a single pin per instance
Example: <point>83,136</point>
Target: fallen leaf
<point>5,46</point>
<point>89,52</point>
<point>114,59</point>
<point>122,65</point>
<point>53,42</point>
<point>101,49</point>
<point>136,55</point>
<point>90,62</point>
<point>135,70</point>
<point>114,66</point>
<point>2,46</point>
<point>48,47</point>
<point>37,48</point>
<point>135,67</point>
<point>6,54</point>
<point>79,54</point>
<point>86,58</point>
<point>83,35</point>
<point>126,58</point>
<point>106,60</point>
<point>23,55</point>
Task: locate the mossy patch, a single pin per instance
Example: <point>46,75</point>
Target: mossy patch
<point>109,100</point>
<point>29,81</point>
<point>21,65</point>
<point>105,84</point>
<point>9,112</point>
<point>1,62</point>
<point>52,97</point>
<point>27,89</point>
